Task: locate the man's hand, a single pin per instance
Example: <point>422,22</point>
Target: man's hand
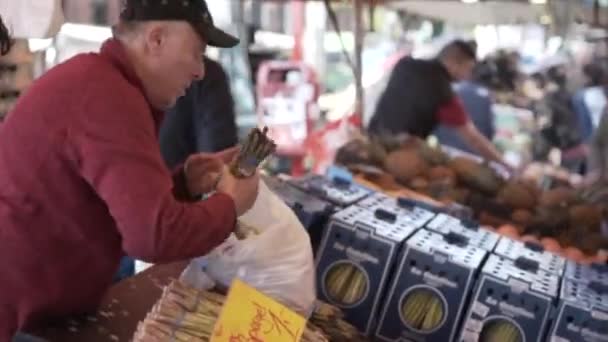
<point>471,135</point>
<point>202,171</point>
<point>228,154</point>
<point>243,191</point>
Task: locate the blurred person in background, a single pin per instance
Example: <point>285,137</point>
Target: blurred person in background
<point>590,101</point>
<point>476,95</point>
<point>562,130</point>
<point>5,39</point>
<point>419,97</point>
<point>201,121</point>
<point>83,182</point>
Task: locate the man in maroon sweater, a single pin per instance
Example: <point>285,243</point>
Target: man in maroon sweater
<point>82,181</point>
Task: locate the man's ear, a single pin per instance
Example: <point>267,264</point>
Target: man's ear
<point>155,37</point>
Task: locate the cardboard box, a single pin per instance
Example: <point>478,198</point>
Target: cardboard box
<point>337,190</point>
<point>517,296</point>
<point>582,314</point>
<point>476,235</point>
<point>586,273</point>
<point>547,261</point>
<point>409,209</point>
<point>443,270</point>
<point>356,258</point>
<point>312,212</point>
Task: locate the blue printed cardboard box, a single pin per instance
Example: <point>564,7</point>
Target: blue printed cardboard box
<point>476,235</point>
<point>513,301</point>
<point>513,249</point>
<point>430,288</point>
<point>355,260</point>
<point>417,214</point>
<point>582,315</point>
<point>312,211</point>
<point>338,190</point>
<point>586,273</point>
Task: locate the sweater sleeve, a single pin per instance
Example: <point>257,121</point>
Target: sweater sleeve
<point>118,155</point>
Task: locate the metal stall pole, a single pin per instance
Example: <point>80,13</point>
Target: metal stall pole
<point>359,37</point>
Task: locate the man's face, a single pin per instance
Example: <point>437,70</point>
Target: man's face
<point>174,59</point>
<point>461,70</point>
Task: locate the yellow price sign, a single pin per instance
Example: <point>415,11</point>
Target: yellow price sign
<point>248,315</point>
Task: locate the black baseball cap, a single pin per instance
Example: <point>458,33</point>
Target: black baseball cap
<point>193,11</point>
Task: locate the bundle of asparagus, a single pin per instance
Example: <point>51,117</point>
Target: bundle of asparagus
<point>256,148</point>
<point>500,331</point>
<point>346,284</point>
<point>330,320</point>
<point>182,314</point>
<point>422,310</point>
<point>185,314</point>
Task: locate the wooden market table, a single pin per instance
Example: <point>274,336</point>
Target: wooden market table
<point>123,307</point>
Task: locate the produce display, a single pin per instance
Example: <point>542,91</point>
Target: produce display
<point>395,268</point>
<point>185,314</point>
<point>564,219</point>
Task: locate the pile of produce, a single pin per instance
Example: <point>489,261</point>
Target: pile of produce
<point>185,314</point>
<point>566,220</point>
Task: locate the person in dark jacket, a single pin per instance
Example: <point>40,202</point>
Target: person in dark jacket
<point>419,97</point>
<point>477,99</point>
<point>201,121</point>
<point>5,39</point>
<point>83,182</point>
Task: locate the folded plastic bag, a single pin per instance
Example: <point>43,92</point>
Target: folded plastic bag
<point>277,261</point>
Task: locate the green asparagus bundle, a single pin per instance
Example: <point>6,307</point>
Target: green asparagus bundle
<point>185,314</point>
<point>256,148</point>
<point>422,310</point>
<point>346,284</point>
<point>329,320</point>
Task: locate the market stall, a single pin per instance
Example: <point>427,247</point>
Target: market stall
<point>410,241</point>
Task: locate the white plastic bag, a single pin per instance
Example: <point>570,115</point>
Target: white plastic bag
<point>278,262</point>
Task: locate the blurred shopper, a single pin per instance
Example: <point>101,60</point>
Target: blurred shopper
<point>82,179</point>
<point>201,121</point>
<point>590,101</point>
<point>5,39</point>
<point>563,131</point>
<point>598,157</point>
<point>477,99</point>
<point>419,97</point>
